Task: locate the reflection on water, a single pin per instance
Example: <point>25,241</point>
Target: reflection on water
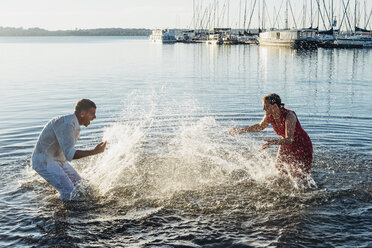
<point>171,175</point>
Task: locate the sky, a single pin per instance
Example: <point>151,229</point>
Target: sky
<point>86,14</point>
<point>71,14</point>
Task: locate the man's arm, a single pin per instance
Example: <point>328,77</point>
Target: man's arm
<point>65,136</point>
<point>85,153</point>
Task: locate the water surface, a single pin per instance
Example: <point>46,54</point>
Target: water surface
<point>171,175</point>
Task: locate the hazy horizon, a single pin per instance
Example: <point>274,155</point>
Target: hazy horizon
<point>92,14</point>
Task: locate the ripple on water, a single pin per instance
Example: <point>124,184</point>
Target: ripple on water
<point>171,175</point>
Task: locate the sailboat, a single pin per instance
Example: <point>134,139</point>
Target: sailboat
<point>353,41</point>
<point>358,38</point>
<point>303,38</point>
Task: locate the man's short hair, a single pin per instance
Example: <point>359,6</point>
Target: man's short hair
<point>84,104</point>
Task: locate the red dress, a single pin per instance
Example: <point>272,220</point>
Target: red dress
<point>299,154</point>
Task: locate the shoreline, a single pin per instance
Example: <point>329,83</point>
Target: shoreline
<point>15,32</point>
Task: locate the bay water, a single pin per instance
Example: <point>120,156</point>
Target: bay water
<point>171,175</point>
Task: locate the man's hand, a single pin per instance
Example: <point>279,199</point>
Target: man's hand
<point>100,147</point>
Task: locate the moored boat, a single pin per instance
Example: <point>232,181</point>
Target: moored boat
<point>357,41</point>
<point>221,36</point>
<point>297,38</point>
<point>163,36</point>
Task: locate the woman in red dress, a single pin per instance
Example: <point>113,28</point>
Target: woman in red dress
<point>295,153</point>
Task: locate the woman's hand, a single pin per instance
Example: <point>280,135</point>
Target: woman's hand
<point>269,142</point>
<point>235,130</point>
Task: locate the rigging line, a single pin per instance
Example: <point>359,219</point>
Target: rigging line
<point>267,13</point>
<point>365,12</point>
<point>343,16</point>
<point>294,20</point>
<point>347,16</point>
<point>202,19</point>
<point>325,9</point>
<point>250,19</point>
<point>245,14</point>
<point>369,18</point>
<point>240,12</point>
<point>321,15</point>
<point>223,13</point>
<point>304,16</point>
<point>355,15</point>
<point>208,24</point>
<point>274,11</point>
<point>276,19</point>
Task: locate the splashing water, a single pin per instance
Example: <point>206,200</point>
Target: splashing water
<point>152,154</point>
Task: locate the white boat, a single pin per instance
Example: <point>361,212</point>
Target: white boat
<point>298,38</point>
<point>221,36</point>
<point>214,39</point>
<point>163,36</point>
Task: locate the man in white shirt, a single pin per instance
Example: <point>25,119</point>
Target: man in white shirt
<point>55,147</point>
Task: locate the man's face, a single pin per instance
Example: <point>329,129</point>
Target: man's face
<point>88,116</point>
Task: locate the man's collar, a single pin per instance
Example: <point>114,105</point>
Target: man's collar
<point>76,121</point>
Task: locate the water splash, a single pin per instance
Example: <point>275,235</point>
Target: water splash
<point>153,152</point>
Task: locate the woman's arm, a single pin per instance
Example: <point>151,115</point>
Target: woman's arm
<point>290,127</point>
<point>254,128</point>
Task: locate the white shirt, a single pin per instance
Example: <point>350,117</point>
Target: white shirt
<point>57,140</point>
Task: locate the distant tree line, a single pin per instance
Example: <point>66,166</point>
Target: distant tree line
<point>10,31</point>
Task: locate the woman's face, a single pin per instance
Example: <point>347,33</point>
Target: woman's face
<point>268,108</point>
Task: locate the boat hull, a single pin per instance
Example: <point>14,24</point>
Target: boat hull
<point>349,43</point>
<point>164,41</point>
<point>297,39</point>
<point>297,44</point>
<point>214,42</point>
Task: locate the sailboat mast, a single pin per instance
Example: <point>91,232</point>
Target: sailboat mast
<point>228,12</point>
<point>365,13</point>
<point>217,16</point>
<point>263,14</point>
<point>304,14</point>
<point>333,15</point>
<point>311,13</point>
<point>259,16</point>
<point>193,13</point>
<point>355,15</point>
<point>318,15</point>
<point>286,15</point>
<point>240,12</point>
<point>245,14</point>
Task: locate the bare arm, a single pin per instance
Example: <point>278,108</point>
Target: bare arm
<point>290,127</point>
<point>254,128</point>
<point>98,149</point>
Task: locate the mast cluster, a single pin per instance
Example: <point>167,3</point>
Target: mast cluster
<point>249,15</point>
